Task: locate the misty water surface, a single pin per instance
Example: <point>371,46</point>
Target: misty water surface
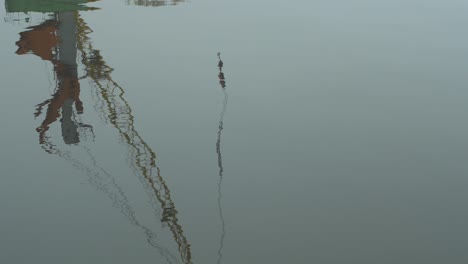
<point>203,131</point>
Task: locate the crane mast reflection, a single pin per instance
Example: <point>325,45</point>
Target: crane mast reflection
<point>59,40</point>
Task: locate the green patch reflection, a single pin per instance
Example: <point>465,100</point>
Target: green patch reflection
<point>46,6</point>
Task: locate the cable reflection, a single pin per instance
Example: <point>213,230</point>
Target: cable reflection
<point>106,183</point>
<point>142,158</point>
<point>222,82</point>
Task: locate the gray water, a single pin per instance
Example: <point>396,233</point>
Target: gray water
<point>325,132</point>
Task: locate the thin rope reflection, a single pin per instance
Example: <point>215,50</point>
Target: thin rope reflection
<point>222,82</point>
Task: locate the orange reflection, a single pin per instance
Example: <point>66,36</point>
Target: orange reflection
<point>52,41</point>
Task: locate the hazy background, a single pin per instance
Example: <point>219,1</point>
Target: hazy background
<point>344,140</point>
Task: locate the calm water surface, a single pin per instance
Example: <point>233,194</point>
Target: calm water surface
<point>323,132</point>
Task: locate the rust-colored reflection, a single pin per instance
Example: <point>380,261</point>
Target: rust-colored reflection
<point>54,40</point>
<point>59,40</point>
<point>40,40</point>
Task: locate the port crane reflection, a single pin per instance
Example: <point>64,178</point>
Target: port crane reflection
<point>59,40</point>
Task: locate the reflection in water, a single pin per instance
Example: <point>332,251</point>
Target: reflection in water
<point>154,3</point>
<point>105,182</point>
<point>58,40</point>
<point>143,159</point>
<point>222,82</point>
<point>54,40</point>
<point>46,6</point>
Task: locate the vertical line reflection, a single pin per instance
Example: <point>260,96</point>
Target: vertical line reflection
<point>222,82</point>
